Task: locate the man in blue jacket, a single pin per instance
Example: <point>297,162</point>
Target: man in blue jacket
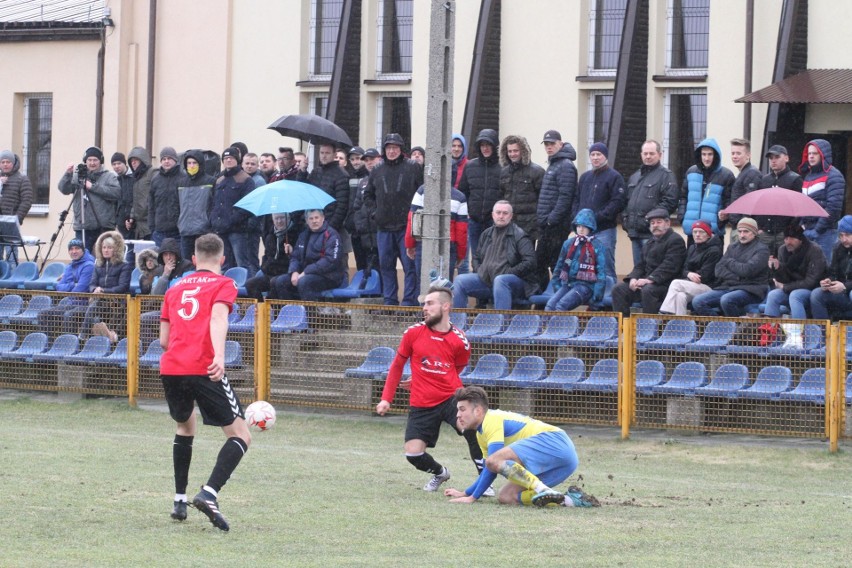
<point>75,278</point>
<point>823,183</point>
<point>706,189</point>
<point>315,264</point>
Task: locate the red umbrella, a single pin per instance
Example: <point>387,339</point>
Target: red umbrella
<point>777,201</point>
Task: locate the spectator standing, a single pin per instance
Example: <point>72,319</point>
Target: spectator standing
<point>771,229</point>
<point>357,172</point>
<point>418,154</point>
<point>699,270</point>
<point>480,184</point>
<point>601,189</point>
<point>747,180</point>
<point>16,194</point>
<point>706,189</point>
<point>125,202</point>
<point>387,196</point>
<point>458,230</point>
<point>652,186</point>
<point>555,201</point>
<point>520,183</point>
<point>163,201</point>
<point>823,183</point>
<point>362,217</point>
<point>195,195</point>
<point>251,166</point>
<point>458,151</point>
<point>662,261</point>
<point>267,167</point>
<point>94,209</point>
<point>140,162</point>
<point>227,221</point>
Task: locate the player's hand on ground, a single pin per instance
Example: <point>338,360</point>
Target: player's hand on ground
<point>406,384</point>
<point>453,493</point>
<point>216,369</point>
<point>382,407</point>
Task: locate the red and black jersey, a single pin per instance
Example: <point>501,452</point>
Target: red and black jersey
<point>187,307</point>
<point>436,358</point>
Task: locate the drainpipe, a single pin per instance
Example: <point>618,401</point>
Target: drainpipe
<point>149,108</point>
<point>749,63</point>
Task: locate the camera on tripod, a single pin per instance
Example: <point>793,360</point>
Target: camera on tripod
<point>82,171</point>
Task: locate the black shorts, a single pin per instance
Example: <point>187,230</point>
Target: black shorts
<point>218,403</point>
<point>425,423</point>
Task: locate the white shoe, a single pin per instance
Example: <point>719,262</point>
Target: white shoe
<point>489,492</point>
<point>793,332</point>
<point>437,480</point>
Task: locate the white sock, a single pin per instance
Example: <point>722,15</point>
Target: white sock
<point>180,497</point>
<point>210,490</point>
<point>539,487</point>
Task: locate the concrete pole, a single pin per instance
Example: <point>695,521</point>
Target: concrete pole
<point>438,163</point>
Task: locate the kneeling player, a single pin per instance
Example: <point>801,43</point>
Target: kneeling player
<point>532,455</point>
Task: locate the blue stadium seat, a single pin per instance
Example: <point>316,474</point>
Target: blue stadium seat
<point>716,337</point>
<point>811,340</point>
<point>246,324</point>
<point>118,357</point>
<point>771,382</point>
<point>459,319</point>
<point>152,355</point>
<point>649,374</point>
<point>233,355</point>
<point>647,329</point>
<point>30,345</point>
<point>684,380</point>
<point>135,285</point>
<point>811,387</point>
<point>64,346</point>
<point>95,348</point>
<point>488,369</point>
<point>5,269</point>
<point>49,276</point>
<point>598,330</point>
<point>540,300</point>
<point>406,370</point>
<point>235,315</point>
<point>22,273</point>
<point>728,380</point>
<point>602,378</point>
<point>10,305</point>
<point>238,274</point>
<point>8,340</point>
<point>521,328</point>
<point>557,330</point>
<point>676,334</point>
<point>344,282</point>
<point>849,388</point>
<point>357,288</point>
<point>35,306</point>
<point>291,318</point>
<point>526,373</point>
<point>484,326</point>
<point>375,365</point>
<point>565,373</point>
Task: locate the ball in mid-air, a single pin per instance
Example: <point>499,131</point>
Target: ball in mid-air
<point>261,415</point>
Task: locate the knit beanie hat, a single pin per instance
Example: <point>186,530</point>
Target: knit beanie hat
<point>794,230</point>
<point>599,147</point>
<point>168,152</point>
<point>118,157</point>
<point>232,152</point>
<point>845,225</point>
<point>748,223</point>
<point>94,152</point>
<point>703,226</point>
<point>7,155</point>
<point>76,243</point>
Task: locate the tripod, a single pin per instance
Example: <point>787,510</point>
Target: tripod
<point>62,217</point>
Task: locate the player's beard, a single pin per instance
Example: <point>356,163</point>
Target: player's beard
<point>432,321</point>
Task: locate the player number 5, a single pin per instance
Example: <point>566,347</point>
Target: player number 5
<point>189,305</point>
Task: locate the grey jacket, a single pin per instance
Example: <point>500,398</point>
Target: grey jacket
<point>100,201</point>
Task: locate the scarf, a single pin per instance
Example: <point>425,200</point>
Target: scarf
<point>586,260</point>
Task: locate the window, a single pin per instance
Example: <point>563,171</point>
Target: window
<point>688,37</point>
<point>319,104</point>
<point>686,126</point>
<point>393,114</point>
<point>606,23</point>
<point>396,19</point>
<point>600,108</point>
<point>35,157</point>
<point>324,26</point>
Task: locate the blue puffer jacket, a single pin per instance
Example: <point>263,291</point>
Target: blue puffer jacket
<point>318,252</point>
<point>232,185</point>
<point>558,189</point>
<point>705,190</point>
<point>585,217</point>
<point>77,275</point>
<point>824,184</point>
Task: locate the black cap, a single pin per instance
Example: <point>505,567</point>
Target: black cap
<point>658,213</point>
<point>552,136</point>
<point>371,153</point>
<point>776,150</point>
<point>356,150</point>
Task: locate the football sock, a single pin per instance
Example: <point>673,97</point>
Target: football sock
<point>181,456</point>
<point>519,475</point>
<point>475,450</point>
<point>526,496</point>
<point>229,458</point>
<point>425,462</point>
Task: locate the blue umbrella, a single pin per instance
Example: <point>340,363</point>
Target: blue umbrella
<point>284,196</point>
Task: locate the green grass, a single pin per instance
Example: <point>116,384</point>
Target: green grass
<point>90,484</point>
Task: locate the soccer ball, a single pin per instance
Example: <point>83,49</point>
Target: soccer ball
<point>261,415</point>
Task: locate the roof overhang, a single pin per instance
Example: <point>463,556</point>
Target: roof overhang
<point>811,86</point>
<point>49,31</point>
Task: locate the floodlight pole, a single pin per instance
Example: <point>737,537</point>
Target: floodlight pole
<point>438,161</point>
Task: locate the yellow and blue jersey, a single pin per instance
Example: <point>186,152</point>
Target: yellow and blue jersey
<point>501,428</point>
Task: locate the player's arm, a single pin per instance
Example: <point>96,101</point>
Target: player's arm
<point>391,383</point>
<point>165,327</point>
<point>218,332</point>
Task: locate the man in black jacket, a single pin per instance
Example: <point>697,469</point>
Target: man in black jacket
<point>503,265</point>
<point>388,193</point>
<point>662,260</point>
<point>332,179</point>
<point>480,183</point>
<point>770,230</point>
<point>747,180</point>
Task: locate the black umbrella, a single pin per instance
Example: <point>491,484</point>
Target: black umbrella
<point>311,128</point>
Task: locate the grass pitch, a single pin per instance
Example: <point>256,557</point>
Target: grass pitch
<point>90,484</point>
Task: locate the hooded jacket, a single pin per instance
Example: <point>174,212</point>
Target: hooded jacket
<point>585,217</point>
<point>458,221</point>
<point>558,189</point>
<point>650,187</point>
<point>458,165</point>
<point>125,202</point>
<point>701,258</point>
<point>146,279</point>
<point>318,253</point>
<point>390,188</point>
<point>800,269</point>
<point>113,275</point>
<point>520,185</point>
<point>231,186</point>
<point>16,193</point>
<point>333,180</point>
<point>182,266</point>
<point>480,181</point>
<point>824,184</point>
<point>602,191</point>
<point>77,274</point>
<point>141,191</point>
<point>98,211</point>
<point>163,201</point>
<point>840,268</point>
<point>706,190</point>
<point>195,195</point>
